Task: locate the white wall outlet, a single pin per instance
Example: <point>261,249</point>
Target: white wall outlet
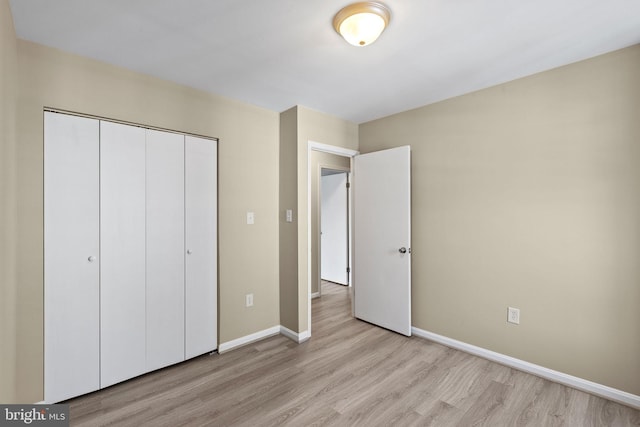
<point>249,300</point>
<point>250,218</point>
<point>289,215</point>
<point>513,315</point>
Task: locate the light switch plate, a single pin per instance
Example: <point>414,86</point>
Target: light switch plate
<point>289,215</point>
<point>250,218</point>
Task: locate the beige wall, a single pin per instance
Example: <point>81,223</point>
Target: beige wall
<point>248,181</point>
<point>527,195</point>
<point>298,126</point>
<point>8,203</point>
<point>320,160</point>
<point>323,128</point>
<point>288,230</point>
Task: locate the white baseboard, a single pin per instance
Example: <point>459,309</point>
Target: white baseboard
<point>315,295</point>
<point>304,335</point>
<point>295,336</point>
<point>559,377</point>
<point>229,345</point>
<point>274,330</point>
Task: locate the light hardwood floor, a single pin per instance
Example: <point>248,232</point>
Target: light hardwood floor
<point>349,373</point>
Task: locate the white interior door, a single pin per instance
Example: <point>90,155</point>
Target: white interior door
<point>201,285</point>
<point>165,249</point>
<point>122,248</point>
<point>71,256</point>
<point>334,255</point>
<point>382,238</point>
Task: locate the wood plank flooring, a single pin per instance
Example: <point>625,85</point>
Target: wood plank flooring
<point>348,373</point>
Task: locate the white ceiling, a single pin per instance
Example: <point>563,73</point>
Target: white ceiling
<point>281,53</point>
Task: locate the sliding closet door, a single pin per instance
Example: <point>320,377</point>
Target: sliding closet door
<point>122,231</point>
<point>165,249</point>
<point>71,257</point>
<point>201,245</point>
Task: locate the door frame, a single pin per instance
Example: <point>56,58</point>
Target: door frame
<point>322,167</point>
<point>340,151</point>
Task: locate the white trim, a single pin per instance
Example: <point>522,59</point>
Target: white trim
<point>247,339</point>
<point>315,295</point>
<point>559,377</point>
<point>304,335</point>
<point>332,149</point>
<point>295,336</point>
<point>260,335</point>
<point>326,148</point>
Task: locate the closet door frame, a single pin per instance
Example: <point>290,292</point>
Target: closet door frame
<point>108,326</point>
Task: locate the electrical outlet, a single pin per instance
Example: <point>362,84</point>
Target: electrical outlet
<point>250,218</point>
<point>513,315</point>
<point>249,300</point>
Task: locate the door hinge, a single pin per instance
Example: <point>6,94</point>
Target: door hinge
<point>348,185</point>
<point>348,269</point>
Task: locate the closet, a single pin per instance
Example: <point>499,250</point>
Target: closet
<point>130,251</point>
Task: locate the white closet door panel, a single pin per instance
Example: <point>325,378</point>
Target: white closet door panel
<point>122,231</point>
<point>165,249</point>
<point>71,238</point>
<point>201,290</point>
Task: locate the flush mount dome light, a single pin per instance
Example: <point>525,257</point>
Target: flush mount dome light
<point>362,23</point>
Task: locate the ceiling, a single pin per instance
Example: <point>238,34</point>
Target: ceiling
<point>281,53</point>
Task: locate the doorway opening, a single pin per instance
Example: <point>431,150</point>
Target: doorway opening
<point>382,196</point>
<point>333,228</point>
<point>314,170</point>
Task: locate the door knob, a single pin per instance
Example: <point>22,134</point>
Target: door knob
<point>189,251</point>
<point>402,250</point>
<point>91,258</point>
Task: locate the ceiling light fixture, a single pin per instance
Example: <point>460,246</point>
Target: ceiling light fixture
<point>362,23</point>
